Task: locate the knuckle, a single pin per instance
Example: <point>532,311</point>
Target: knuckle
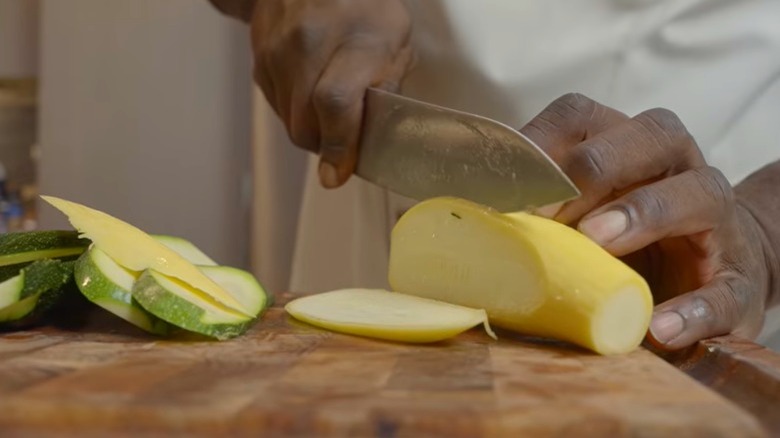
<point>661,118</point>
<point>644,206</point>
<point>332,99</point>
<point>665,125</point>
<point>714,185</point>
<point>574,104</point>
<point>307,37</point>
<point>566,116</point>
<point>721,308</point>
<point>589,163</point>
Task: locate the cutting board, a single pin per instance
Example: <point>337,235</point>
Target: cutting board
<point>285,378</point>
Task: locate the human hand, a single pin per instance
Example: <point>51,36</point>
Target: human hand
<point>649,197</point>
<point>314,61</point>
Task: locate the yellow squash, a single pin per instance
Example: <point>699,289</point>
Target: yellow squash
<point>531,274</point>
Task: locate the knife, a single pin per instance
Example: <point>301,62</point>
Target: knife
<point>420,150</point>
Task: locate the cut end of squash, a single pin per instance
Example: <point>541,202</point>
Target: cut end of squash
<point>386,315</point>
<point>620,325</point>
<point>463,253</point>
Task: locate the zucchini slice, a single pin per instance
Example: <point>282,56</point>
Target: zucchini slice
<point>7,272</point>
<point>34,290</point>
<point>11,290</point>
<point>184,306</point>
<point>137,251</point>
<point>242,285</point>
<point>25,247</point>
<point>107,284</point>
<point>186,249</point>
<point>387,315</point>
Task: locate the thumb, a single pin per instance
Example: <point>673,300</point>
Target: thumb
<point>713,310</point>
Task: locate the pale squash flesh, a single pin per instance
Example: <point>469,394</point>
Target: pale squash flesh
<point>386,315</point>
<point>531,274</point>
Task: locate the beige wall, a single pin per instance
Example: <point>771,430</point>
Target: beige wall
<point>18,38</point>
<point>145,112</point>
<point>279,170</point>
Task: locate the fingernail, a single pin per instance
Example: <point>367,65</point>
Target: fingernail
<point>666,326</point>
<point>329,177</point>
<point>549,211</point>
<point>605,227</point>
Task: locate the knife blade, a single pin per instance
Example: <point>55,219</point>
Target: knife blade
<point>420,150</point>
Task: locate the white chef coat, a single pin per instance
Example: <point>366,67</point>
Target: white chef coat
<point>715,63</point>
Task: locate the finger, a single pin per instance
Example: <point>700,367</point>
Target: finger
<point>263,80</point>
<point>649,146</point>
<point>304,125</point>
<point>305,55</point>
<point>716,309</point>
<point>692,202</point>
<point>304,128</point>
<point>338,103</point>
<point>261,29</point>
<point>390,78</point>
<point>568,121</point>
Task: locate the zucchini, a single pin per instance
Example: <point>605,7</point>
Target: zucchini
<point>241,284</point>
<point>107,284</point>
<point>186,249</point>
<point>184,306</point>
<point>137,251</point>
<point>11,290</point>
<point>34,290</point>
<point>25,247</point>
<point>9,271</point>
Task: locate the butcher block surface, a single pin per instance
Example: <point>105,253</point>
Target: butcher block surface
<point>285,378</point>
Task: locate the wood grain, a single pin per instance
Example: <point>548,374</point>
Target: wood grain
<point>744,372</point>
<point>288,379</point>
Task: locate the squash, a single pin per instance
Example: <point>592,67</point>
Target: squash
<point>530,274</point>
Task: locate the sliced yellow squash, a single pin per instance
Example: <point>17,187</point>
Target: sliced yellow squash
<point>531,274</point>
<point>386,315</point>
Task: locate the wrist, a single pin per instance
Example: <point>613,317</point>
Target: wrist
<point>757,195</point>
<point>768,252</point>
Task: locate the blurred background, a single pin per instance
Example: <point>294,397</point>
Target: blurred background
<point>146,109</point>
<point>141,109</point>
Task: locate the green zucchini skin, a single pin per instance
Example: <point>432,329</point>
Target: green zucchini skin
<point>46,275</point>
<point>9,271</point>
<point>25,247</point>
<point>108,293</point>
<point>149,291</point>
<point>44,284</point>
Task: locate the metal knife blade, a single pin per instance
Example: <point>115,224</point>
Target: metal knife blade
<point>420,150</point>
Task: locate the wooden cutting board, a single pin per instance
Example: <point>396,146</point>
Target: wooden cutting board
<point>288,379</point>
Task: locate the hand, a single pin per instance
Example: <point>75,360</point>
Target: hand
<point>314,61</point>
<point>649,197</point>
